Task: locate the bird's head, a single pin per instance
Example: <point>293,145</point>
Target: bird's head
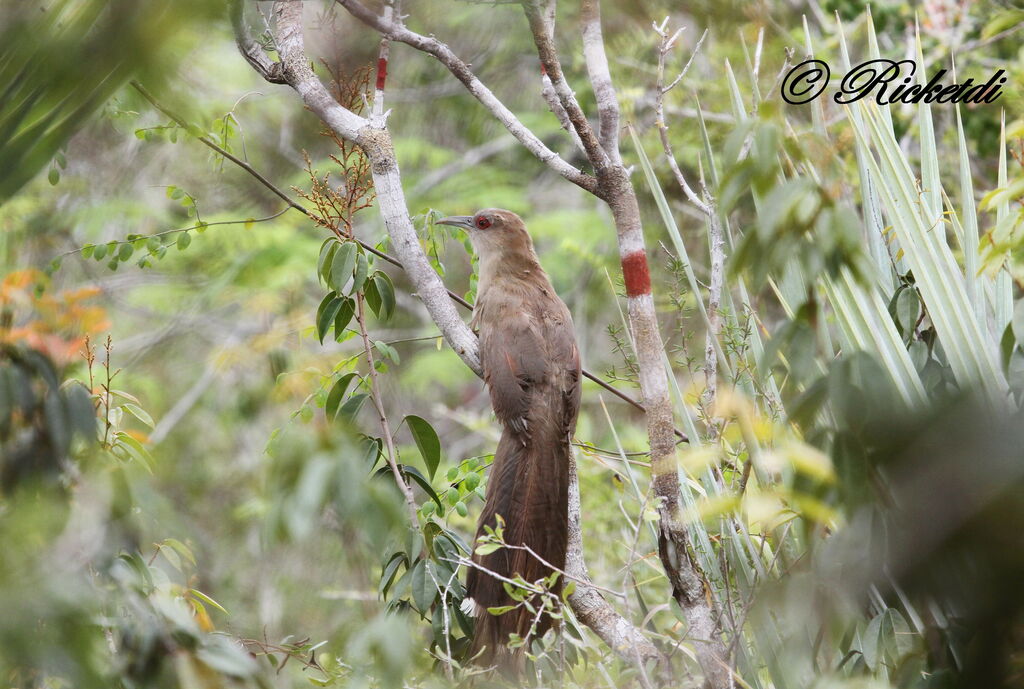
<point>493,232</point>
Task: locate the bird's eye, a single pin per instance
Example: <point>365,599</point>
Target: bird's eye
<point>482,222</point>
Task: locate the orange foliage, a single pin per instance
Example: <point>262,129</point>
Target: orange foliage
<point>55,324</point>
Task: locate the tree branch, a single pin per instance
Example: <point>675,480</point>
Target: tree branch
<point>689,587</point>
<point>396,31</point>
<point>665,45</point>
<point>601,79</point>
<point>375,140</point>
<point>553,69</point>
<point>250,48</point>
<point>627,640</point>
<point>547,90</point>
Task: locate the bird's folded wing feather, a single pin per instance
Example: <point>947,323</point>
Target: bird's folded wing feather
<point>513,362</point>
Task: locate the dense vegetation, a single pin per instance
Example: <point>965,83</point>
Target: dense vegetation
<point>209,397</point>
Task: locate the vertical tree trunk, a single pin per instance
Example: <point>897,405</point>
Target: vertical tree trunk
<point>689,587</point>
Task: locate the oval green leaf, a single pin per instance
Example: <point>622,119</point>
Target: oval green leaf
<point>427,442</point>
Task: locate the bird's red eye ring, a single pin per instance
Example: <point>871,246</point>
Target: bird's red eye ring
<point>482,222</point>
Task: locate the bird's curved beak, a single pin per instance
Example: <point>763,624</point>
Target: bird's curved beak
<point>463,221</point>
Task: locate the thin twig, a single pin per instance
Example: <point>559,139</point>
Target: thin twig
<point>531,551</point>
<point>446,622</point>
<point>237,161</point>
<point>981,42</point>
<point>659,110</point>
<point>385,426</point>
<point>204,225</point>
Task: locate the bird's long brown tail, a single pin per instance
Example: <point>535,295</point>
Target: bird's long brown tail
<point>528,487</point>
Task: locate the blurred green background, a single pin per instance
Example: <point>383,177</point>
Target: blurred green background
<point>221,503</point>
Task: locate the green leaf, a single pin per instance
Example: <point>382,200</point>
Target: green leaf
<point>81,413</point>
<point>372,297</point>
<point>172,557</point>
<point>1000,21</point>
<point>374,452</point>
<point>423,588</point>
<point>323,265</point>
<point>326,312</point>
<point>387,350</point>
<point>125,395</point>
<point>501,609</point>
<point>362,266</point>
<point>1018,321</point>
<point>352,406</point>
<point>348,308</point>
<point>1007,345</point>
<point>139,414</point>
<point>337,394</point>
<point>341,266</point>
<point>869,647</point>
<point>179,548</point>
<point>388,573</point>
<point>57,421</point>
<point>905,307</point>
<point>386,290</point>
<point>54,176</point>
<point>134,449</point>
<point>184,239</point>
<point>209,601</point>
<point>87,250</point>
<point>427,442</point>
<point>415,475</point>
<point>488,548</point>
<point>125,252</point>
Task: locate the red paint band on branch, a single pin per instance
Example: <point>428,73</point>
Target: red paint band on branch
<point>543,70</point>
<point>382,73</point>
<point>636,274</point>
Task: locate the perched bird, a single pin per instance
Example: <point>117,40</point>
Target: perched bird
<point>531,367</point>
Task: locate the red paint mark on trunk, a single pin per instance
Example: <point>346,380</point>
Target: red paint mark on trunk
<point>543,70</point>
<point>636,274</point>
<point>382,73</point>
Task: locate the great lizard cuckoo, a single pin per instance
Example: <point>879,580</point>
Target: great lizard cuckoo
<point>531,367</point>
